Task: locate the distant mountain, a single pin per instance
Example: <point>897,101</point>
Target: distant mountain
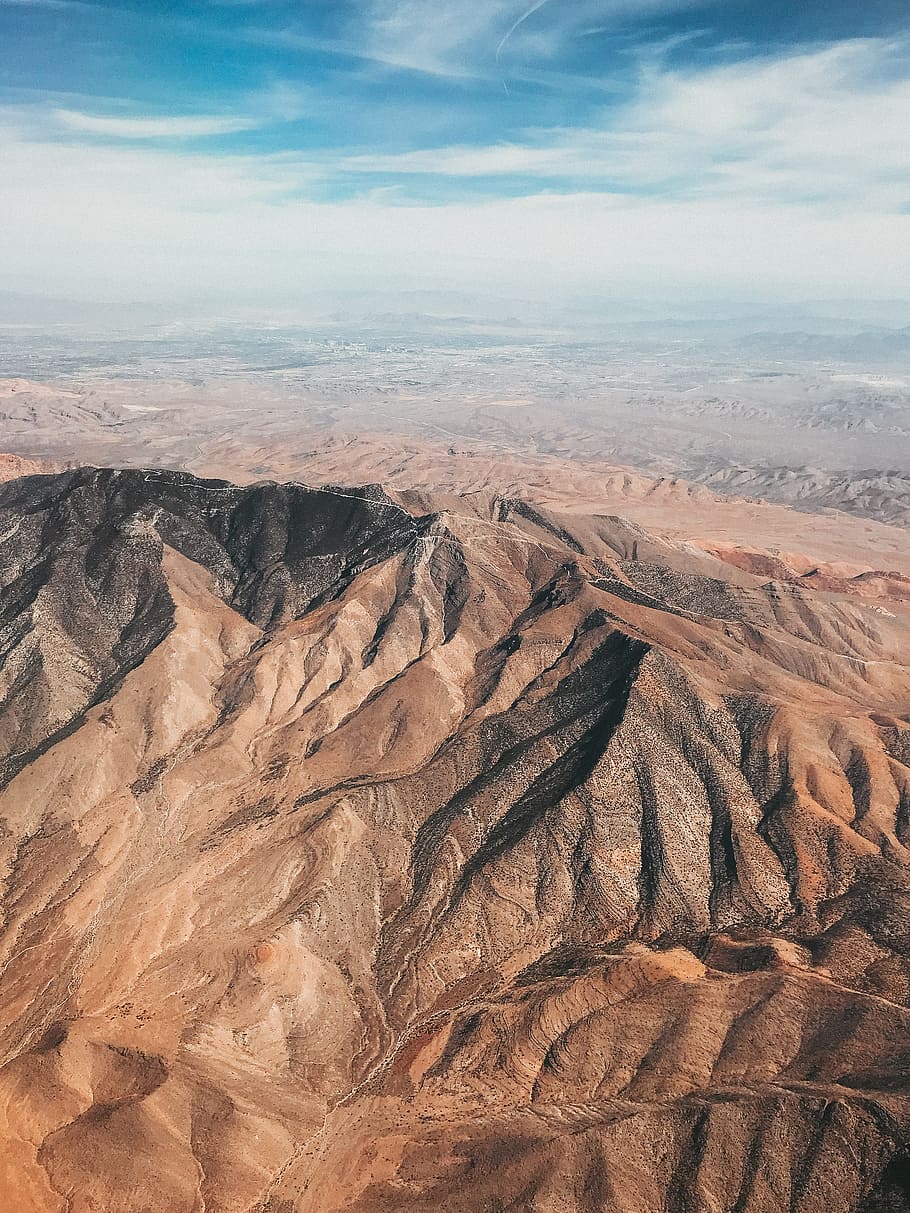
<point>874,346</point>
<point>38,311</point>
<point>373,853</point>
<point>874,494</point>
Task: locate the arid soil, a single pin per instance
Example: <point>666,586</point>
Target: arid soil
<point>249,430</point>
<point>671,506</point>
<point>395,850</point>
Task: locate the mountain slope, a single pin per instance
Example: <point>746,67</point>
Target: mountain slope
<point>378,853</point>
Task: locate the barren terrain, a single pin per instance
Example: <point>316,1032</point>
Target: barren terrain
<point>619,454</point>
<point>752,417</point>
<point>516,819</point>
<point>363,851</point>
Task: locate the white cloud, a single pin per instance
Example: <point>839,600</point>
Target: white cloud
<point>440,39</point>
<point>44,4</point>
<point>829,125</point>
<point>459,39</point>
<point>195,127</point>
<point>129,222</point>
<point>790,173</point>
<point>494,160</point>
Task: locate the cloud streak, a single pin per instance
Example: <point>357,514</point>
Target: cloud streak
<point>197,127</point>
<point>516,25</point>
<point>61,4</point>
<point>131,221</point>
<point>827,126</point>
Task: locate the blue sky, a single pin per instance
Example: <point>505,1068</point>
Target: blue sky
<point>223,147</point>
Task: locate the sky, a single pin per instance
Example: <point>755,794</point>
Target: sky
<point>268,150</point>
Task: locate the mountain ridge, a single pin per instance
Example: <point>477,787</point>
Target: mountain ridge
<point>393,856</point>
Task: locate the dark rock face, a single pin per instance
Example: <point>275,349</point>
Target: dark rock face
<point>355,858</point>
<point>83,596</point>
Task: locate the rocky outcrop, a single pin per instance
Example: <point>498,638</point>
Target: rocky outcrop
<point>361,853</point>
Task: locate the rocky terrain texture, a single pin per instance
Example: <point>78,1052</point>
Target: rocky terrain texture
<point>389,851</point>
<point>13,466</point>
<point>810,436</point>
<point>742,510</point>
<point>652,457</point>
<point>882,495</point>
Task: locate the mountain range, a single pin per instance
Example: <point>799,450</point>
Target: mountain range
<point>373,850</point>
